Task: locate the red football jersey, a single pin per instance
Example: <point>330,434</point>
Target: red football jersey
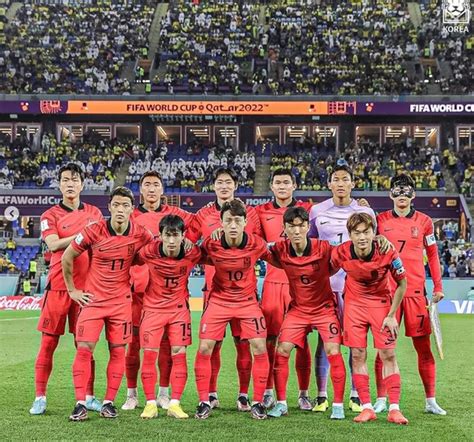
<point>308,274</point>
<point>108,278</point>
<point>410,235</point>
<point>234,279</point>
<point>151,220</point>
<point>271,220</point>
<point>168,285</point>
<point>367,280</point>
<point>63,221</point>
<point>208,219</point>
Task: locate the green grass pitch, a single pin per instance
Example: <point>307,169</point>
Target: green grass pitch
<point>19,344</point>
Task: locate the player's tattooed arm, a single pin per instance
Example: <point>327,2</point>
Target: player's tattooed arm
<point>67,262</point>
<point>384,244</point>
<point>391,321</point>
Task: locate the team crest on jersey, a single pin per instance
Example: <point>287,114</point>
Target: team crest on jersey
<point>247,262</point>
<point>131,249</point>
<point>182,271</point>
<point>414,232</point>
<point>316,266</point>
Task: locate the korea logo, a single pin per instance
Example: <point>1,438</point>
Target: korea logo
<point>456,12</point>
<point>414,232</point>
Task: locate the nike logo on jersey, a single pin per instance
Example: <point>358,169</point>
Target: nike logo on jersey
<point>210,225</point>
<point>272,217</point>
<point>323,222</point>
<point>387,230</point>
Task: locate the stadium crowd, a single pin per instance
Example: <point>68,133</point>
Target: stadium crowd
<point>373,164</point>
<point>73,49</point>
<point>190,168</point>
<point>23,165</point>
<point>314,47</point>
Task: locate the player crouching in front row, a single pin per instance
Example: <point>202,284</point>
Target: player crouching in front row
<point>367,305</point>
<point>307,264</point>
<point>166,310</point>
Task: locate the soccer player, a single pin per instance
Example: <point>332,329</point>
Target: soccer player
<point>59,226</point>
<point>307,264</point>
<point>205,222</point>
<point>368,304</point>
<point>233,296</point>
<point>106,299</point>
<point>148,214</point>
<point>276,289</point>
<point>412,232</point>
<point>328,221</point>
<point>166,310</point>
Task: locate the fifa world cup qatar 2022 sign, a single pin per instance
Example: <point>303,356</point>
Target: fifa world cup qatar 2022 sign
<point>178,107</point>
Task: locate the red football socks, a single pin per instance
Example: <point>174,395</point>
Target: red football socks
<point>90,383</point>
<point>378,367</point>
<point>426,364</point>
<point>244,365</point>
<point>81,372</point>
<point>165,362</point>
<point>115,370</point>
<point>338,376</point>
<point>179,375</point>
<point>44,362</point>
<point>281,372</point>
<point>215,367</point>
<point>303,366</point>
<point>202,372</point>
<point>132,362</point>
<point>361,382</point>
<point>260,370</point>
<point>149,374</point>
<point>271,347</point>
<point>393,383</point>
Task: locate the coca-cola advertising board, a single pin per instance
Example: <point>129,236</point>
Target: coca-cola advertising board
<point>20,303</point>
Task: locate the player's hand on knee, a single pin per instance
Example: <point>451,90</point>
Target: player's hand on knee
<point>384,244</point>
<point>391,323</point>
<point>81,297</point>
<point>437,296</point>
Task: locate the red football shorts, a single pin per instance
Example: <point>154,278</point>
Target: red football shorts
<point>57,306</point>
<point>298,324</point>
<point>416,317</point>
<point>234,323</point>
<point>216,317</point>
<point>275,302</point>
<point>137,308</point>
<point>116,318</point>
<point>155,323</point>
<point>357,321</point>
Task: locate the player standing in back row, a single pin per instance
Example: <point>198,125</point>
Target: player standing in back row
<point>328,221</point>
<point>276,288</point>
<point>107,299</point>
<point>412,232</point>
<point>59,226</point>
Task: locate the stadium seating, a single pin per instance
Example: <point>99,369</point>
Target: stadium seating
<point>73,49</point>
<point>28,167</point>
<point>373,165</point>
<point>190,168</point>
<point>22,256</point>
<point>347,47</point>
